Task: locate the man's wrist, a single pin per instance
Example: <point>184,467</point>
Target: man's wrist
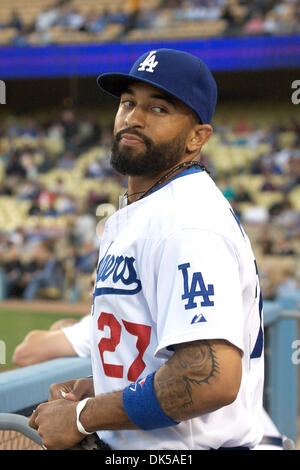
<point>82,416</point>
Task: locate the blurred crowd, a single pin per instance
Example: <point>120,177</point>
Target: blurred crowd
<point>265,195</point>
<point>55,261</point>
<point>52,260</point>
<point>241,17</point>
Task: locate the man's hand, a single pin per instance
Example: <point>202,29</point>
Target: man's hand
<point>55,422</point>
<point>74,390</point>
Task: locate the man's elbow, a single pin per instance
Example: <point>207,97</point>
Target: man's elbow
<point>25,353</point>
<point>229,396</point>
<point>21,357</point>
<point>228,388</point>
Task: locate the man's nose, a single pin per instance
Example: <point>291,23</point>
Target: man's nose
<point>135,118</point>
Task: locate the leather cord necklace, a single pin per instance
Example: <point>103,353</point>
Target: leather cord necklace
<point>164,177</point>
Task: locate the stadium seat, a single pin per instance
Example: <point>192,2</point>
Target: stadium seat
<point>181,30</point>
<point>295,198</point>
<point>7,35</point>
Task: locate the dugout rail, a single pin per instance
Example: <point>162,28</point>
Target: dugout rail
<point>22,389</point>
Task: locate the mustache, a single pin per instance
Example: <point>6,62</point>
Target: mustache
<point>129,130</point>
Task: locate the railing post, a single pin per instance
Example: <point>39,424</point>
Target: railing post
<point>283,373</point>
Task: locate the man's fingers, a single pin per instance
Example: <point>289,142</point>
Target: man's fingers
<point>32,420</point>
<point>82,388</point>
<point>73,390</point>
<point>69,396</point>
<point>57,389</point>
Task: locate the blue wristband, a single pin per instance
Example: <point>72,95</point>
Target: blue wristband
<point>142,407</point>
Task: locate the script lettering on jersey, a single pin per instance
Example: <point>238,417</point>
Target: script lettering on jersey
<point>119,271</point>
<point>194,289</point>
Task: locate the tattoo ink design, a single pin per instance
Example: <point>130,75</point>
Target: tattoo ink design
<point>192,366</point>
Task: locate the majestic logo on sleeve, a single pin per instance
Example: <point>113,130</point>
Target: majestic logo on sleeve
<point>149,63</point>
<point>194,289</point>
<point>119,275</point>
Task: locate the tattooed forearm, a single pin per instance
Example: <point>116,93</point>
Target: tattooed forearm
<point>186,378</point>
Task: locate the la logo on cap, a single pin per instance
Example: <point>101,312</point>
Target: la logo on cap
<point>149,63</point>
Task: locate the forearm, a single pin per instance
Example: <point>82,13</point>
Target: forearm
<point>105,412</point>
<point>40,346</point>
<point>189,384</point>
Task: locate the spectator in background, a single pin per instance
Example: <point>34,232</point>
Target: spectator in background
<point>27,161</point>
<point>49,272</point>
<point>70,18</point>
<point>14,167</point>
<point>21,38</point>
<point>51,210</point>
<point>234,22</point>
<point>65,204</point>
<point>283,247</point>
<point>84,227</point>
<point>5,189</point>
<point>14,270</point>
<point>228,189</point>
<point>55,130</point>
<point>27,189</point>
<point>50,16</point>
<point>98,24</point>
<point>70,127</point>
<point>242,126</point>
<point>45,197</point>
<point>255,25</point>
<point>66,161</point>
<point>89,133</point>
<point>46,19</point>
<point>271,25</point>
<point>34,209</point>
<point>255,214</point>
<point>132,18</point>
<point>288,217</point>
<point>15,21</point>
<point>241,194</point>
<point>288,283</point>
<point>268,185</point>
<point>88,258</point>
<point>266,243</point>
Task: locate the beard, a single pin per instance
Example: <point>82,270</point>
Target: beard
<point>154,159</point>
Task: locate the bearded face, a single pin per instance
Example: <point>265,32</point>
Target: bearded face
<point>147,158</point>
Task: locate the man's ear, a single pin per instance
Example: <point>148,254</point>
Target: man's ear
<point>199,136</point>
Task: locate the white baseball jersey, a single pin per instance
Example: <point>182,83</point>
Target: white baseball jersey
<point>176,266</point>
<point>79,336</point>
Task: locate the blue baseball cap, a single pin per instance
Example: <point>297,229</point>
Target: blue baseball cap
<point>176,72</point>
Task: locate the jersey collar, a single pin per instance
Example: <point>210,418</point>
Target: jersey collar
<point>187,171</point>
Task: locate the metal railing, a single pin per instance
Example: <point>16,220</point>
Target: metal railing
<point>15,433</point>
<point>281,320</point>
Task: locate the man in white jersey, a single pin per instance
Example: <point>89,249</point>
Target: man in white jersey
<point>176,323</point>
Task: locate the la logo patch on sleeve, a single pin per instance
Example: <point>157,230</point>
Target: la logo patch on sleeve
<point>196,288</point>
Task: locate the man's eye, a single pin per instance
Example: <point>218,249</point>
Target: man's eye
<point>127,103</point>
<point>158,109</point>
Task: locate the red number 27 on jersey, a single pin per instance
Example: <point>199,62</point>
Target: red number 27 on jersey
<point>142,332</point>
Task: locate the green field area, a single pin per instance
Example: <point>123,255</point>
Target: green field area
<point>15,324</point>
